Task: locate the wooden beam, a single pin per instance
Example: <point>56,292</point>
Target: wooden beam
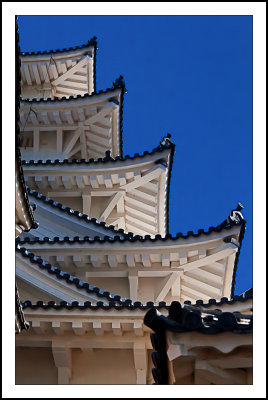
<point>72,141</point>
<point>107,211</point>
<point>102,113</point>
<point>44,116</point>
<point>63,361</point>
<point>116,328</point>
<point>56,116</point>
<point>216,268</point>
<point>95,261</point>
<point>141,196</point>
<point>166,286</point>
<point>72,70</point>
<point>77,260</point>
<point>122,179</point>
<point>76,85</point>
<point>204,287</point>
<point>67,182</point>
<point>143,215</point>
<point>140,361</point>
<point>56,327</point>
<point>165,260</point>
<point>86,203</point>
<point>44,67</point>
<point>133,281</point>
<point>194,294</point>
<point>107,181</point>
<point>98,328</point>
<point>37,328</point>
<point>93,181</point>
<point>106,143</point>
<point>53,69</point>
<point>75,149</point>
<point>36,73</point>
<point>154,173</point>
<point>62,91</point>
<point>130,260</point>
<point>137,230</point>
<point>69,117</point>
<point>33,118</point>
<point>176,288</point>
<point>138,330</point>
<point>100,131</point>
<point>83,143</point>
<point>137,204</point>
<point>224,252</point>
<point>112,260</point>
<point>36,139</point>
<point>145,258</point>
<point>146,226</point>
<point>182,257</point>
<point>52,182</point>
<point>27,74</point>
<point>78,328</point>
<point>208,277</point>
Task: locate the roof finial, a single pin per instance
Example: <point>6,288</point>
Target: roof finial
<point>108,155</point>
<point>236,214</point>
<point>165,141</point>
<point>119,83</point>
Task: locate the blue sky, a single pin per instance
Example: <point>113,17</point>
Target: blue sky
<point>190,76</point>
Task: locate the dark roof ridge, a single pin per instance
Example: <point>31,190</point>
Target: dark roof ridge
<point>90,43</point>
<point>134,238</point>
<point>116,298</point>
<point>84,217</point>
<point>183,319</point>
<point>148,305</point>
<point>186,319</point>
<point>69,278</point>
<point>159,149</point>
<point>70,98</point>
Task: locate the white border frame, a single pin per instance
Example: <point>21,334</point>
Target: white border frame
<point>257,9</point>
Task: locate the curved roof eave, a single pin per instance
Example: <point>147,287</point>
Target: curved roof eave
<point>108,158</point>
<point>71,98</point>
<point>129,237</point>
<point>129,305</point>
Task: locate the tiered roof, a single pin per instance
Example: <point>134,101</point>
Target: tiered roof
<point>83,127</point>
<point>130,193</point>
<point>104,216</point>
<point>192,266</point>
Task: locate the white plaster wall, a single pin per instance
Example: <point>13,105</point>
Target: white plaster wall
<point>103,366</point>
<point>35,366</point>
<point>118,286</point>
<point>31,92</point>
<point>73,202</point>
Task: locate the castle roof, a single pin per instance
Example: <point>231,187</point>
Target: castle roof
<point>60,72</point>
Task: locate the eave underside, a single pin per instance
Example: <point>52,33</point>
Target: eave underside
<point>58,74</point>
<point>128,195</point>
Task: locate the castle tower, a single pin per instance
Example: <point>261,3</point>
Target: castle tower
<point>102,255</point>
